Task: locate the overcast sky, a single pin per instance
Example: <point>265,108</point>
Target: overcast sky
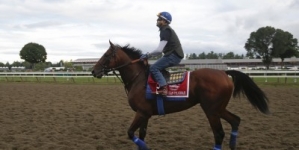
<point>73,29</point>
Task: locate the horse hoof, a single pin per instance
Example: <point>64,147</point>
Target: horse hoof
<point>232,147</point>
<point>143,148</point>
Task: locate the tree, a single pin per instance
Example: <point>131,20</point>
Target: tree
<point>250,55</point>
<point>2,64</point>
<point>26,64</point>
<point>238,56</point>
<point>212,55</point>
<point>284,45</point>
<point>260,44</point>
<point>79,68</point>
<point>192,56</point>
<point>220,55</point>
<point>58,64</point>
<point>33,53</point>
<point>8,65</point>
<point>40,66</point>
<point>68,65</point>
<point>229,55</point>
<point>17,63</point>
<point>202,55</point>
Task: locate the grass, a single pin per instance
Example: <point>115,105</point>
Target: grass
<point>76,80</point>
<point>277,80</point>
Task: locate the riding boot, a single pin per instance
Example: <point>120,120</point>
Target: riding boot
<point>162,90</point>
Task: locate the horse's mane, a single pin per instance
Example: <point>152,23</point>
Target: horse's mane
<point>132,52</point>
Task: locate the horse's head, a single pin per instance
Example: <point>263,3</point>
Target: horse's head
<point>106,62</point>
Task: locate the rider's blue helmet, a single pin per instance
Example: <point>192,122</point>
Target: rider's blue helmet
<point>166,16</point>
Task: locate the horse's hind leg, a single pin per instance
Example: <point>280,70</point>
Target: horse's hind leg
<point>234,121</point>
<point>218,132</point>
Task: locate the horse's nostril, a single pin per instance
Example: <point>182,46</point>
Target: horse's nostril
<point>92,72</point>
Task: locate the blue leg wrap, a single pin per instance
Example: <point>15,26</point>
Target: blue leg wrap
<point>233,138</point>
<point>139,143</point>
<point>217,147</point>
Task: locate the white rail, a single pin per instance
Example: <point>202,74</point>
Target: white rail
<point>281,76</point>
<point>254,73</point>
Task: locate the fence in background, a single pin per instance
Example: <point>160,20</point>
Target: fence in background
<point>256,75</point>
<point>61,77</point>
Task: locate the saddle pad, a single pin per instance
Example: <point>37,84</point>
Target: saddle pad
<point>178,85</point>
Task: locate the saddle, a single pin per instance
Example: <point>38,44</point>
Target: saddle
<point>172,78</point>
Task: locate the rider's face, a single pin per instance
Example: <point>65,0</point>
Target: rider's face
<point>160,22</point>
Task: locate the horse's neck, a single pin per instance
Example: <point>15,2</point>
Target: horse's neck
<point>133,75</point>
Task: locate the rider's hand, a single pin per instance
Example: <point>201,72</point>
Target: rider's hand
<point>144,56</point>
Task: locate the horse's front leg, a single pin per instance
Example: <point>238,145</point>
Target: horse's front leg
<point>140,121</point>
<point>142,130</point>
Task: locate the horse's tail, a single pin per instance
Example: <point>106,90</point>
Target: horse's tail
<point>245,85</point>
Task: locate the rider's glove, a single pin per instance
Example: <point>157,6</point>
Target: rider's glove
<point>144,56</point>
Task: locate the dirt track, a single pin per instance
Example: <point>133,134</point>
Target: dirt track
<point>90,117</point>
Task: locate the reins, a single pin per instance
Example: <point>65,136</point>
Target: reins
<point>126,64</point>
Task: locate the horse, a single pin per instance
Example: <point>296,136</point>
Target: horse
<point>211,88</point>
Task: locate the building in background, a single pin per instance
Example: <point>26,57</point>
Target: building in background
<point>221,64</point>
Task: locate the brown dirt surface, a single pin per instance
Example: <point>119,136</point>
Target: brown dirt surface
<point>96,117</point>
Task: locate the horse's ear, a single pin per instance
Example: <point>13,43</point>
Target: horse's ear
<point>111,44</point>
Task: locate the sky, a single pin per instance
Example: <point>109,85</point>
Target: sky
<point>76,29</point>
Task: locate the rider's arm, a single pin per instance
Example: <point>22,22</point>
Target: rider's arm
<point>164,38</point>
<point>159,49</point>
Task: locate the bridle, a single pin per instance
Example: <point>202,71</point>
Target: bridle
<point>109,57</point>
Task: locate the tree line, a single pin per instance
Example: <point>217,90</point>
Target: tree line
<point>212,55</point>
<point>266,43</point>
<point>41,65</point>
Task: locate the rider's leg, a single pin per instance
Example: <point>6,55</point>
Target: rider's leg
<point>163,63</point>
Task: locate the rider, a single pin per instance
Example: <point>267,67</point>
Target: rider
<point>170,46</point>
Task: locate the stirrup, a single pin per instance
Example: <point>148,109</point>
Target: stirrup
<point>162,91</point>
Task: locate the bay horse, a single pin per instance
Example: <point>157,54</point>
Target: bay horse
<point>210,88</point>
